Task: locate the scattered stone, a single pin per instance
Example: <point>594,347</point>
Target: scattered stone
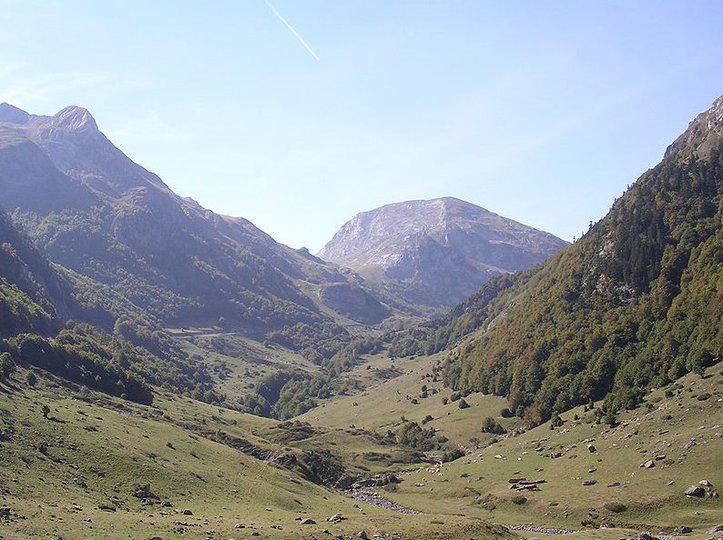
<point>187,512</point>
<point>591,448</point>
<point>705,483</point>
<point>683,529</point>
<point>613,484</point>
<point>363,535</point>
<point>336,518</point>
<point>307,521</point>
<point>695,491</point>
<point>239,526</point>
<point>649,464</point>
<point>590,482</point>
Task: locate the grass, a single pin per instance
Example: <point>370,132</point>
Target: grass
<point>58,474</point>
<point>477,485</point>
<point>382,403</point>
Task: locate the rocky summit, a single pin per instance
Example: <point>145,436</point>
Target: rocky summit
<point>436,252</point>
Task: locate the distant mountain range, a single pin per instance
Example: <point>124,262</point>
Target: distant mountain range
<point>436,252</point>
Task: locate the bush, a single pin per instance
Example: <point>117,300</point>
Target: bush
<point>451,455</point>
<point>7,366</point>
<point>31,378</point>
<point>490,425</point>
<point>463,404</point>
<point>519,499</point>
<point>615,507</point>
<point>506,413</point>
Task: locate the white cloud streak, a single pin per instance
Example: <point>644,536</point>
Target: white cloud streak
<point>292,30</point>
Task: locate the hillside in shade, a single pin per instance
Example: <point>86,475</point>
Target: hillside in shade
<point>97,213</point>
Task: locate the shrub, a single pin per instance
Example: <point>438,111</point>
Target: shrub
<point>490,425</point>
<point>31,378</point>
<point>615,507</point>
<point>451,455</point>
<point>506,413</point>
<point>463,404</point>
<point>519,499</point>
<point>7,366</point>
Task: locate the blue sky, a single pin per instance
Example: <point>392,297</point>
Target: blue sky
<point>541,111</point>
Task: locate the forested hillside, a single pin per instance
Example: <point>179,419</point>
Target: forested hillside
<point>94,211</point>
<point>637,302</point>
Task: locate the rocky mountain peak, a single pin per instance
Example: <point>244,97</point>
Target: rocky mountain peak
<point>75,119</point>
<point>436,251</point>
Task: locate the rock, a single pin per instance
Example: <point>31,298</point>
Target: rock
<point>660,457</point>
<point>187,512</point>
<point>695,491</point>
<point>683,529</point>
<point>613,484</point>
<point>591,448</point>
<point>363,535</point>
<point>646,536</point>
<point>143,491</point>
<point>715,530</point>
<point>336,518</point>
<point>307,521</point>
<point>239,526</point>
<point>705,483</point>
<point>649,464</point>
<point>690,444</point>
<point>590,482</point>
<point>592,470</point>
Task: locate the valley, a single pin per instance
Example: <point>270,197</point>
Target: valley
<point>437,371</point>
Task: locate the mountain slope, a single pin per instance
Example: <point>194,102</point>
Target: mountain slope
<point>94,211</point>
<point>638,301</point>
<point>436,252</point>
<point>31,292</point>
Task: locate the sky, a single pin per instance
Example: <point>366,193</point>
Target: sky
<point>298,114</point>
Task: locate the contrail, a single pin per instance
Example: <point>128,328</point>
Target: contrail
<point>291,29</point>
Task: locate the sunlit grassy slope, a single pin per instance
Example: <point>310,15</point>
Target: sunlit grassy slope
<point>382,404</point>
<point>651,498</point>
<point>73,474</point>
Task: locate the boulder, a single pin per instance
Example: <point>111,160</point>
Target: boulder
<point>307,521</point>
<point>649,464</point>
<point>591,448</point>
<point>695,491</point>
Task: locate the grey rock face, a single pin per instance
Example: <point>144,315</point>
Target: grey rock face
<point>436,252</point>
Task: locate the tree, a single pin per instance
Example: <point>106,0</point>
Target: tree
<point>7,366</point>
<point>490,425</point>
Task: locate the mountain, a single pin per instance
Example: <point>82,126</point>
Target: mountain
<point>107,219</point>
<point>436,252</point>
<point>636,303</point>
